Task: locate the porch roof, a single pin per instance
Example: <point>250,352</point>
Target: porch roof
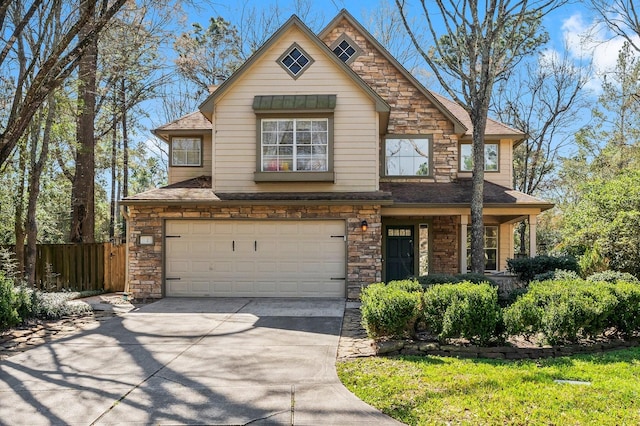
<point>458,194</point>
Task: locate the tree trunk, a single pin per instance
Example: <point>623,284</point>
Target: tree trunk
<point>477,195</point>
<point>83,189</point>
<point>114,153</point>
<point>18,223</point>
<point>37,166</point>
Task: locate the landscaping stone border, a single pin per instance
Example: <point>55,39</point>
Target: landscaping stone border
<point>354,343</point>
<point>403,347</point>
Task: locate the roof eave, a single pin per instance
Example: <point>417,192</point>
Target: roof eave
<point>152,203</point>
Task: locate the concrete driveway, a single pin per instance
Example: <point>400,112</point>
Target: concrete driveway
<point>190,361</point>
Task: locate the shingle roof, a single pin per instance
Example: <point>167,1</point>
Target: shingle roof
<point>424,194</point>
<point>457,193</point>
<point>494,128</point>
<point>195,121</point>
<point>198,190</point>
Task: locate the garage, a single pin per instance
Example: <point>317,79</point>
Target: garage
<point>255,258</point>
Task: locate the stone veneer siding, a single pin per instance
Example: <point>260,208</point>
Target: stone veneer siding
<point>411,112</point>
<point>445,251</point>
<point>145,274</point>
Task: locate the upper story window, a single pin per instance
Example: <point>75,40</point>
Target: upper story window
<point>294,138</point>
<point>186,152</point>
<point>295,144</point>
<point>490,157</point>
<point>345,49</point>
<point>295,60</point>
<point>407,156</point>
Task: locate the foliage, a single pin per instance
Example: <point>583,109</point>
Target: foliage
<point>8,310</point>
<point>462,310</point>
<point>432,279</point>
<point>442,390</point>
<point>613,276</point>
<point>208,56</point>
<point>527,268</point>
<point>406,285</point>
<point>566,310</point>
<point>388,310</point>
<point>558,274</point>
<point>607,217</point>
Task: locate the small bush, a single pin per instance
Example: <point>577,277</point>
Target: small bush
<point>562,310</point>
<point>388,311</point>
<point>527,268</point>
<point>613,276</point>
<point>55,305</point>
<point>626,316</point>
<point>406,285</point>
<point>8,313</point>
<point>462,310</point>
<point>558,274</point>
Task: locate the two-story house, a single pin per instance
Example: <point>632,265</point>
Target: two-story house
<point>320,166</point>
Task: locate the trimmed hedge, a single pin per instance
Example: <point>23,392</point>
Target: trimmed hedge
<point>613,276</point>
<point>527,268</point>
<point>565,310</point>
<point>462,310</point>
<point>389,310</point>
<point>558,274</point>
<point>432,279</point>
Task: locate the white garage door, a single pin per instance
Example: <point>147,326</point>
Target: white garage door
<point>234,258</point>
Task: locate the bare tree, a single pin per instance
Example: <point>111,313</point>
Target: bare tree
<point>621,17</point>
<point>481,44</point>
<point>541,101</point>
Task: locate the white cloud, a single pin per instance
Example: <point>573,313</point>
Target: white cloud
<point>589,41</point>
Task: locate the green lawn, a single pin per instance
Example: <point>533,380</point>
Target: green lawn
<point>436,390</point>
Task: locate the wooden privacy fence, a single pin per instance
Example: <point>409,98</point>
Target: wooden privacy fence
<point>88,266</point>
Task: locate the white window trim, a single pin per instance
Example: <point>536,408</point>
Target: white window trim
<point>414,137</point>
<point>186,163</point>
<point>295,145</point>
<point>460,163</point>
<point>485,248</point>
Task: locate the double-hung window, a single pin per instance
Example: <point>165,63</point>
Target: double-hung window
<point>295,144</point>
<point>490,247</point>
<point>186,152</point>
<point>490,157</point>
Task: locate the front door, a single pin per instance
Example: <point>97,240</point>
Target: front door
<point>399,252</point>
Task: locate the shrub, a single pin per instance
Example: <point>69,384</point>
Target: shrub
<point>562,310</point>
<point>55,305</point>
<point>527,268</point>
<point>432,279</point>
<point>558,274</point>
<point>626,316</point>
<point>388,311</point>
<point>462,310</point>
<point>406,285</point>
<point>613,276</point>
<point>8,313</point>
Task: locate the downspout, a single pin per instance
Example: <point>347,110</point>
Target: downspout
<point>125,214</point>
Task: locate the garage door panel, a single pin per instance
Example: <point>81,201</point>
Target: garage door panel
<point>255,258</point>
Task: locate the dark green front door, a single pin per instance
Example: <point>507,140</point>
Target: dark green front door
<point>399,252</point>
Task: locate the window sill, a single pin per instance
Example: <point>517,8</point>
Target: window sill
<point>294,177</point>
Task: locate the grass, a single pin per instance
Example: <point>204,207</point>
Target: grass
<point>438,390</point>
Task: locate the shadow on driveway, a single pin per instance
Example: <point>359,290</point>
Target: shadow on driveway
<point>190,361</point>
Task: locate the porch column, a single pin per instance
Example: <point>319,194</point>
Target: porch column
<point>464,221</point>
<point>533,222</point>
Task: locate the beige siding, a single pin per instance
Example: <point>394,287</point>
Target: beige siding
<point>355,123</point>
<point>504,175</point>
<point>505,234</point>
<point>179,174</point>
